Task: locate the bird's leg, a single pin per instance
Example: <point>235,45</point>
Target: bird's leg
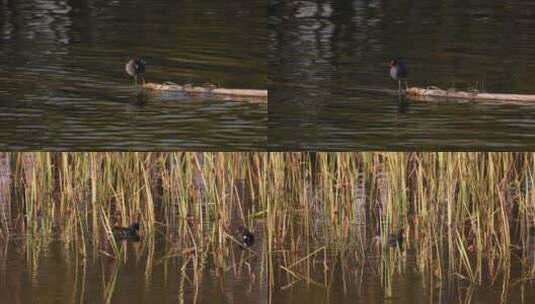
<point>143,78</point>
<point>135,81</point>
<point>406,86</point>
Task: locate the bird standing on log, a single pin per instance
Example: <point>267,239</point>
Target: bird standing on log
<point>135,67</point>
<point>398,71</point>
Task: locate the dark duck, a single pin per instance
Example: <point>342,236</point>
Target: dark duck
<point>396,239</point>
<point>399,72</point>
<point>135,67</point>
<point>246,237</point>
<point>126,233</point>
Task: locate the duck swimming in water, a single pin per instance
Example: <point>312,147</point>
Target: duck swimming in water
<point>126,233</point>
<point>396,239</point>
<point>246,237</point>
<point>393,240</point>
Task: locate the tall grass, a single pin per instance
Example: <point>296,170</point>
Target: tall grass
<point>465,215</point>
<point>194,201</point>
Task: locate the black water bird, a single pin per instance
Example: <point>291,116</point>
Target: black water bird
<point>135,67</point>
<point>399,72</point>
<point>246,237</point>
<point>126,233</point>
<point>396,239</point>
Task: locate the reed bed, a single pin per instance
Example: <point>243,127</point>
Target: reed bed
<point>465,216</point>
<point>320,219</point>
<point>194,201</point>
<point>76,194</point>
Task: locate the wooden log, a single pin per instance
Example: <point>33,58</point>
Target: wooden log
<point>211,90</point>
<point>465,95</point>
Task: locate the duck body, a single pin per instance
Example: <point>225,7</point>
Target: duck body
<point>392,240</point>
<point>246,237</point>
<point>135,67</point>
<point>126,233</point>
<point>398,71</point>
<point>396,239</point>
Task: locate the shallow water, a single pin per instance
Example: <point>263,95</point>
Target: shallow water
<point>364,285</point>
<point>149,274</point>
<point>329,80</point>
<point>40,272</point>
<point>63,85</point>
<point>338,273</point>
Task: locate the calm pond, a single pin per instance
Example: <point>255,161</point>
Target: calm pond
<point>330,85</point>
<point>351,283</point>
<point>31,272</point>
<point>63,85</point>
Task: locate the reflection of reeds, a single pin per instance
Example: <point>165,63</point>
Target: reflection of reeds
<point>109,281</point>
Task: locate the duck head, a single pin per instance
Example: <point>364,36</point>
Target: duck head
<point>393,62</point>
<point>135,226</point>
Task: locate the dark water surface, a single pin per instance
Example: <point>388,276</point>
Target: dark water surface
<point>330,87</point>
<point>365,284</point>
<point>63,85</point>
<point>151,272</point>
<point>340,274</point>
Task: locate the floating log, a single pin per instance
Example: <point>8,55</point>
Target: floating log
<point>241,94</point>
<point>437,93</point>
